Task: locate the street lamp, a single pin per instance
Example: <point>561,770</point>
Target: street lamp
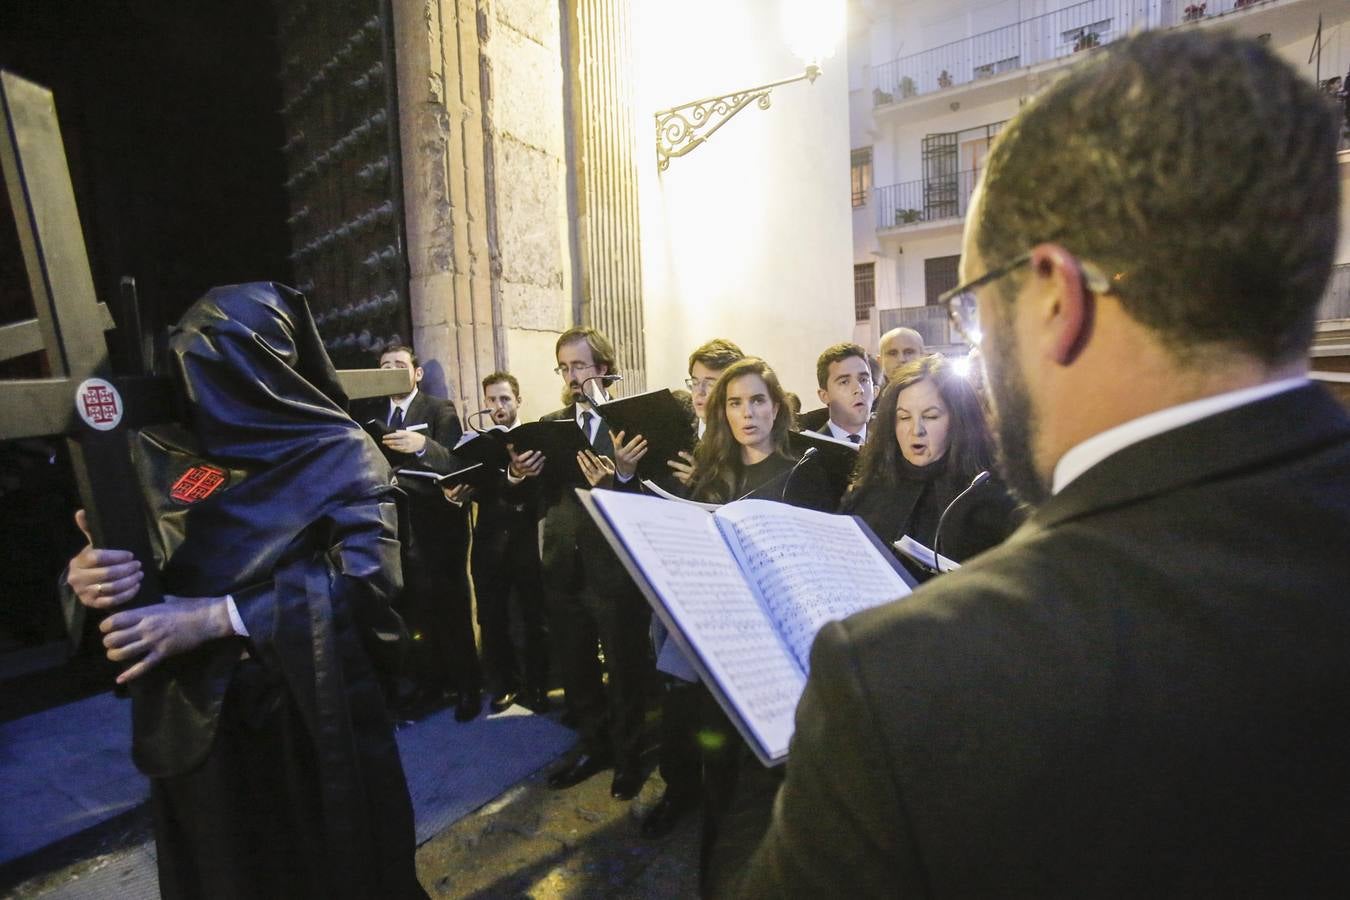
<point>812,29</point>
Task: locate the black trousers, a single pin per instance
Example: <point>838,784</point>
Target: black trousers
<point>250,820</point>
<point>612,617</point>
<point>437,606</point>
<point>680,758</point>
<point>506,563</point>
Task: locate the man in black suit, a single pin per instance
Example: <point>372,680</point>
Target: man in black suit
<point>506,565</point>
<point>1143,691</point>
<point>591,598</point>
<point>436,601</point>
<point>844,377</point>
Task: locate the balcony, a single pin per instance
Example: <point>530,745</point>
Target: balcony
<point>1031,42</point>
<point>915,203</point>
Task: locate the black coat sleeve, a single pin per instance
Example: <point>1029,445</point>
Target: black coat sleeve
<point>834,829</point>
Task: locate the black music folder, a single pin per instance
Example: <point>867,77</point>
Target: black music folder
<point>658,417</point>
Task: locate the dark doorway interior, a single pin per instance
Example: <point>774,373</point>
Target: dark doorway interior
<point>168,110</point>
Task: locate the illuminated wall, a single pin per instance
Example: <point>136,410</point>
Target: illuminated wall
<point>749,236</point>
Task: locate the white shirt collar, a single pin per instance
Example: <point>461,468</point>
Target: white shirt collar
<point>840,433</point>
<point>702,427</point>
<point>404,403</point>
<point>1098,447</point>
<point>582,409</point>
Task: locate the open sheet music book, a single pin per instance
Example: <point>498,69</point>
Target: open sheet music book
<point>744,590</point>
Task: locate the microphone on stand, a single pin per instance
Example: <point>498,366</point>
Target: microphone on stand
<point>942,519</point>
<point>810,452</point>
<point>603,379</point>
<point>473,423</point>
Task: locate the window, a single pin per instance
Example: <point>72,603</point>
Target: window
<point>939,275</point>
<point>864,290</point>
<point>861,176</point>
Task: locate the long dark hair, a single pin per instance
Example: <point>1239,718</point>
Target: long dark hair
<point>970,450</point>
<point>717,459</point>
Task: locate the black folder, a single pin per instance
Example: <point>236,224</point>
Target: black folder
<point>486,447</point>
<point>559,441</point>
<point>475,475</point>
<point>658,417</point>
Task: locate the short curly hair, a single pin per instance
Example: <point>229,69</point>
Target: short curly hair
<point>1198,169</point>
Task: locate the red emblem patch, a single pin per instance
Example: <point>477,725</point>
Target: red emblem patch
<point>197,483</point>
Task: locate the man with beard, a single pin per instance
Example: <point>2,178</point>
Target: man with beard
<point>506,563</point>
<point>591,599</point>
<point>1142,691</point>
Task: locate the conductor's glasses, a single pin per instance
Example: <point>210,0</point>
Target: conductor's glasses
<point>575,368</point>
<point>700,385</point>
<point>964,309</point>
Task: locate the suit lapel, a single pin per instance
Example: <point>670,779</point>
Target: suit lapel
<point>1251,436</point>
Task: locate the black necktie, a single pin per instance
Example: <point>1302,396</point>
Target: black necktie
<point>855,438</point>
<point>396,420</point>
<point>586,425</point>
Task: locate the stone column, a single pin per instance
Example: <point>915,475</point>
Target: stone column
<point>608,289</point>
<point>455,315</point>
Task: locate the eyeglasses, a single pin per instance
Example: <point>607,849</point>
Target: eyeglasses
<point>701,385</point>
<point>574,368</point>
<point>963,306</point>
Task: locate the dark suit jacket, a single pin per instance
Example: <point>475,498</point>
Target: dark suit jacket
<point>1143,692</point>
<point>567,526</point>
<point>434,522</point>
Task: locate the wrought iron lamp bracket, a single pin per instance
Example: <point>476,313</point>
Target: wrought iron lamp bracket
<point>682,128</point>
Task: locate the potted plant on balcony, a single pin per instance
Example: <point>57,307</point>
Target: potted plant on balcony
<point>907,87</point>
<point>907,216</point>
<point>1243,4</point>
<point>944,79</point>
<point>881,98</point>
<point>1194,12</point>
<point>1087,40</point>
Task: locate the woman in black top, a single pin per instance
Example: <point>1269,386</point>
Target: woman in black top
<point>744,452</point>
<point>927,444</point>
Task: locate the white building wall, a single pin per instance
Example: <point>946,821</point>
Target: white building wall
<point>899,28</point>
<point>747,237</point>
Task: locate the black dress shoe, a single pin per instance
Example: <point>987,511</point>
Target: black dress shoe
<point>576,770</point>
<point>665,815</point>
<point>535,700</point>
<point>468,707</point>
<point>503,701</point>
<point>628,780</point>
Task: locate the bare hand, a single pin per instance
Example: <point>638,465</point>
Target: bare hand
<point>405,441</point>
<point>102,579</point>
<point>599,470</point>
<point>628,455</point>
<point>459,494</point>
<point>683,467</point>
<point>525,465</point>
<point>152,633</point>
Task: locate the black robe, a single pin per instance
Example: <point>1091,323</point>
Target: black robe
<point>273,766</point>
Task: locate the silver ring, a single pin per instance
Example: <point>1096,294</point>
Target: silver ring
<point>98,589</point>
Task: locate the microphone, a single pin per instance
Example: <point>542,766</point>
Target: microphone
<point>810,452</point>
<point>603,379</point>
<point>473,423</point>
<point>942,519</point>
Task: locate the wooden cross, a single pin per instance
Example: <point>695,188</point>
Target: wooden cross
<point>96,410</point>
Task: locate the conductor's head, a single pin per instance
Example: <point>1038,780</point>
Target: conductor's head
<point>1156,228</point>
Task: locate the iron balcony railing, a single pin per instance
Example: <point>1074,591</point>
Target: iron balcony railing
<point>930,321</point>
<point>1336,299</point>
<point>1030,42</point>
<point>927,200</point>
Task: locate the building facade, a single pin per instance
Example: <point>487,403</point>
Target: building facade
<point>931,83</point>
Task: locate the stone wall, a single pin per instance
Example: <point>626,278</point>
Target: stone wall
<point>482,127</point>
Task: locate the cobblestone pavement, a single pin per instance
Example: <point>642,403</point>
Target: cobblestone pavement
<point>548,845</point>
<point>531,842</point>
